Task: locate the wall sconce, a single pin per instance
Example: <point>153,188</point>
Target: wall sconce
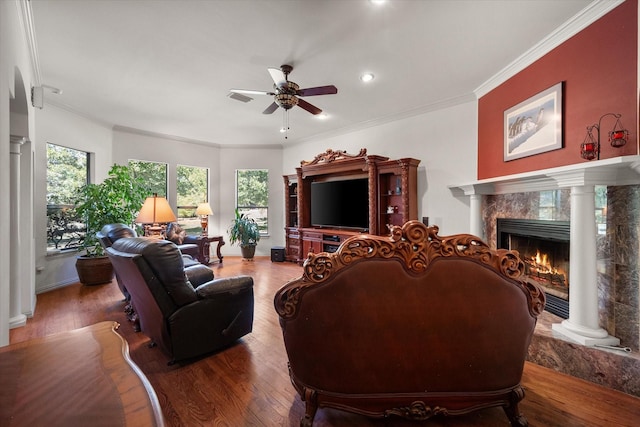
<point>590,147</point>
<point>204,210</point>
<point>155,211</point>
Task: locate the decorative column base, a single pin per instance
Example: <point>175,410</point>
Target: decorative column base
<point>17,321</point>
<point>585,336</point>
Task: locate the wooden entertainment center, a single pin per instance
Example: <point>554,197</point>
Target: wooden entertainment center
<point>392,188</point>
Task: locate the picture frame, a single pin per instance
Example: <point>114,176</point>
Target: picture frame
<point>534,126</point>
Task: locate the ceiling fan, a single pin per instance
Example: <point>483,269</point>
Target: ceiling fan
<point>287,92</point>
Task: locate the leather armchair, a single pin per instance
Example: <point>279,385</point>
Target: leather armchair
<point>194,245</point>
<point>185,319</point>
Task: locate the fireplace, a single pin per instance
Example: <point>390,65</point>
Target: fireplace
<point>544,248</point>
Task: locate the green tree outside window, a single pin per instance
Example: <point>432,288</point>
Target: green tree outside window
<point>252,195</point>
<point>154,175</point>
<point>67,171</point>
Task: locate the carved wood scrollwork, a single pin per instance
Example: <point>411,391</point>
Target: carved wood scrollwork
<point>332,155</point>
<point>416,246</point>
<point>418,411</point>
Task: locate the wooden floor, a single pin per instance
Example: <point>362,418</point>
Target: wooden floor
<point>248,384</point>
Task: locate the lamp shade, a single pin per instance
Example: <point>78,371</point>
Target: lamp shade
<point>204,209</point>
<point>155,210</point>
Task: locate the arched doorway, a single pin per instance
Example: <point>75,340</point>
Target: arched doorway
<point>21,249</point>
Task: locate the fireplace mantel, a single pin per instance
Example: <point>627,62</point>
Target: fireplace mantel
<point>582,326</point>
<point>615,171</point>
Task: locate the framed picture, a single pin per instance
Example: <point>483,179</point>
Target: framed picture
<point>534,126</point>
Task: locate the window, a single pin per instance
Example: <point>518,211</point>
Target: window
<point>153,173</point>
<point>193,188</point>
<point>252,195</point>
<point>67,171</point>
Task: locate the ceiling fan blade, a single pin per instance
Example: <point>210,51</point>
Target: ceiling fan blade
<point>310,108</point>
<point>320,90</point>
<point>278,76</point>
<point>251,92</point>
<point>271,108</point>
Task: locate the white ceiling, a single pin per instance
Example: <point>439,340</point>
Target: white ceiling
<point>166,66</point>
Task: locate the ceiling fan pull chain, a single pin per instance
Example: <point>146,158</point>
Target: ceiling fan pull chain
<point>285,123</point>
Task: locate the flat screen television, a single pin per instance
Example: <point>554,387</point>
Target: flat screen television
<point>340,204</point>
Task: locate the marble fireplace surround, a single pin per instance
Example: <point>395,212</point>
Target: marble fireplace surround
<point>573,345</point>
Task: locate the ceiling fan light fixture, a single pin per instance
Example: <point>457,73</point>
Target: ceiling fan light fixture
<point>286,100</point>
<point>367,77</point>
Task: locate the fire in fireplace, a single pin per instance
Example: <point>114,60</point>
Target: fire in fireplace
<point>544,248</point>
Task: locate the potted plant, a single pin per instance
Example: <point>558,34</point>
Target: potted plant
<point>245,232</point>
<point>116,200</point>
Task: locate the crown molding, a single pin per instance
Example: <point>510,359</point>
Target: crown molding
<point>573,26</point>
<point>191,141</point>
<point>26,20</point>
<point>69,109</point>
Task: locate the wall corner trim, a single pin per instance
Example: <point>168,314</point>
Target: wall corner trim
<point>573,26</point>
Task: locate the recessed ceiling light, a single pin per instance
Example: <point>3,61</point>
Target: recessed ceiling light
<point>377,2</point>
<point>323,116</point>
<point>367,77</point>
<point>282,130</point>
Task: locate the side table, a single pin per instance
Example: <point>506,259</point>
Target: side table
<point>205,255</point>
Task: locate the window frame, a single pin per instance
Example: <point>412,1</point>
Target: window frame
<point>65,223</point>
<point>183,220</point>
<point>263,225</point>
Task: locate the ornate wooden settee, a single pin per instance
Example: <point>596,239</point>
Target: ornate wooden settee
<point>414,325</point>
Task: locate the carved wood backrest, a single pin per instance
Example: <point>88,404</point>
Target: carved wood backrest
<point>409,311</point>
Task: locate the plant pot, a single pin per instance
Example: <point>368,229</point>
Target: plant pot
<point>94,270</point>
<point>248,251</point>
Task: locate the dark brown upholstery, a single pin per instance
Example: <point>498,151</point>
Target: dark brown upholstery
<point>185,321</point>
<point>112,232</point>
<point>195,246</point>
<point>412,325</point>
<point>109,234</point>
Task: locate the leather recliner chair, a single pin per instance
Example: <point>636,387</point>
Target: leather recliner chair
<point>194,245</point>
<point>184,319</point>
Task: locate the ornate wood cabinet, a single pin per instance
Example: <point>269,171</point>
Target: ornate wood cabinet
<point>292,236</point>
<point>392,190</point>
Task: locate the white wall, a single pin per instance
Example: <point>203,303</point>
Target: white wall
<point>444,141</point>
<point>222,164</point>
<point>58,126</point>
<point>14,65</point>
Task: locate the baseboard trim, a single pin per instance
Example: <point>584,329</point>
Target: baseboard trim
<point>52,286</point>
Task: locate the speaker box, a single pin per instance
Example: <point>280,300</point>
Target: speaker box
<point>277,254</point>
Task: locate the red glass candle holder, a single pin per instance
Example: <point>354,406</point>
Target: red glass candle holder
<point>618,138</point>
<point>589,150</point>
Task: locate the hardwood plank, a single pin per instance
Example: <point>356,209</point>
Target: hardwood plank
<point>248,383</point>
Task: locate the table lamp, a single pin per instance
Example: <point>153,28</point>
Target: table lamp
<point>157,212</point>
<point>204,210</point>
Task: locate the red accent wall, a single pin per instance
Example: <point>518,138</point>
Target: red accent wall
<point>599,69</point>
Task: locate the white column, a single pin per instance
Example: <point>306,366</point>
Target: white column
<point>583,325</point>
<point>16,317</point>
<point>475,213</point>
